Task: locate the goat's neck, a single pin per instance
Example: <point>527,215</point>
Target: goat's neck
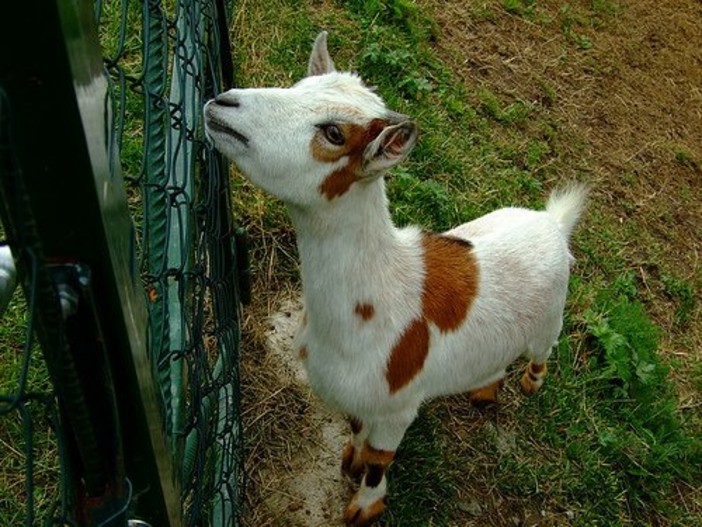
<point>348,251</point>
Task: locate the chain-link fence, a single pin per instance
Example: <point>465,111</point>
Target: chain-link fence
<point>161,62</point>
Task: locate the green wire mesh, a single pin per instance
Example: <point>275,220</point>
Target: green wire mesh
<point>163,60</point>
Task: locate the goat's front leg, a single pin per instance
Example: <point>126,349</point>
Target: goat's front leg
<point>377,453</point>
<point>352,463</point>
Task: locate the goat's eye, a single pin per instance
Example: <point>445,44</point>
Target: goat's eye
<point>333,134</point>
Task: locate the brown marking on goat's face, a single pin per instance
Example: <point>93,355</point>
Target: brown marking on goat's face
<point>408,355</point>
<point>365,311</point>
<point>356,138</point>
<point>451,281</point>
<point>302,353</point>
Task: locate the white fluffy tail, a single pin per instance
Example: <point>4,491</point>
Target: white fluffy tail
<point>567,204</point>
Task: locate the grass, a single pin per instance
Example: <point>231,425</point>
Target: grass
<point>13,430</point>
<point>608,441</point>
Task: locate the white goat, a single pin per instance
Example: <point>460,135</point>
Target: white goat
<point>393,316</point>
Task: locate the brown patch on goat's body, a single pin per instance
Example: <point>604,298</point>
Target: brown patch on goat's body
<point>451,282</point>
<point>356,139</point>
<point>408,355</point>
<point>450,286</point>
<point>365,311</point>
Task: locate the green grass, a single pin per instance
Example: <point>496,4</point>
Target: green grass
<point>14,430</point>
<point>605,441</point>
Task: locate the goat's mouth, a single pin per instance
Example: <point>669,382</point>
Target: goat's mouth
<point>221,128</point>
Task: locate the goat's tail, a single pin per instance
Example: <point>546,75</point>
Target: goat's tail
<point>567,204</point>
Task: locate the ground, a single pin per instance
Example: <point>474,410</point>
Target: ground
<point>623,106</point>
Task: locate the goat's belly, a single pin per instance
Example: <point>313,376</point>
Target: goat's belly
<point>459,363</point>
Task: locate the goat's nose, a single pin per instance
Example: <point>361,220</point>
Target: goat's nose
<point>227,99</point>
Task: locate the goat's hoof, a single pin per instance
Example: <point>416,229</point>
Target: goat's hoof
<point>350,465</point>
<point>357,516</point>
<point>533,378</point>
<point>487,395</point>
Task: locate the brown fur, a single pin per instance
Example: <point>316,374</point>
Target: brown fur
<point>408,355</point>
<point>486,395</point>
<point>365,311</point>
<point>533,373</point>
<point>357,517</point>
<point>374,456</point>
<point>302,352</point>
<point>357,138</point>
<point>450,286</point>
<point>451,282</point>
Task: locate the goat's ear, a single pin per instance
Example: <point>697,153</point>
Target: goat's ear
<point>320,61</point>
<point>393,145</point>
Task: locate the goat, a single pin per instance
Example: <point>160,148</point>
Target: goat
<point>393,316</point>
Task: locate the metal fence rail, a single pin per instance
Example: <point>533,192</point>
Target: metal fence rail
<point>147,424</point>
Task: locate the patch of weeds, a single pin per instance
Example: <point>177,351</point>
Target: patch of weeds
<point>616,440</point>
<point>535,153</point>
<point>571,21</point>
<point>380,61</point>
<point>644,437</point>
<point>402,14</point>
<point>625,285</point>
<point>682,292</point>
<point>515,113</point>
<point>686,158</point>
<point>523,8</point>
<point>425,202</point>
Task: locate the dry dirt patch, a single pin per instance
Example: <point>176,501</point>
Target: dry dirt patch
<point>297,473</point>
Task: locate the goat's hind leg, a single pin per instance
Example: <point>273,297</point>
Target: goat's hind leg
<point>536,370</point>
<point>533,377</point>
<point>538,353</point>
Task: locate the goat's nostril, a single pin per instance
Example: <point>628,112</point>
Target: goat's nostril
<point>225,99</point>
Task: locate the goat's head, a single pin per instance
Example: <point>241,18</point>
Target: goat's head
<point>314,141</point>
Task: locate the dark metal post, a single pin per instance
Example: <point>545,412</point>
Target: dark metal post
<point>52,75</point>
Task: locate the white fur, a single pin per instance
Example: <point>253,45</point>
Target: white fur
<point>352,253</point>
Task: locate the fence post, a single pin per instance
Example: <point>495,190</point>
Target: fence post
<point>52,74</point>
